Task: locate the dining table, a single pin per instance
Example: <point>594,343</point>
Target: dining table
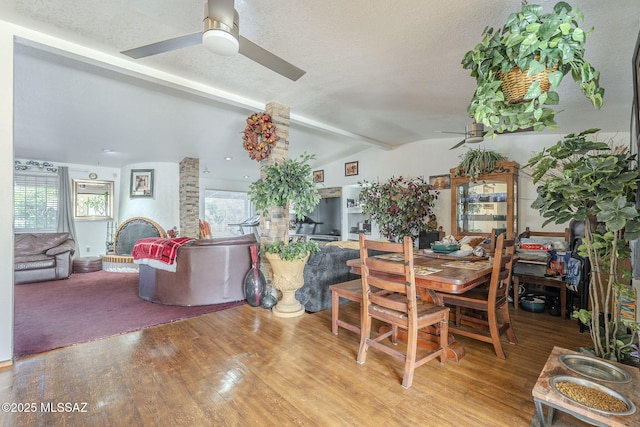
<point>435,276</point>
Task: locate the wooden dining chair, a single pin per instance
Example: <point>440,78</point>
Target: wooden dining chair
<point>389,295</point>
<point>476,311</point>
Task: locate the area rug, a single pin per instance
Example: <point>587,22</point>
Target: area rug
<point>88,307</point>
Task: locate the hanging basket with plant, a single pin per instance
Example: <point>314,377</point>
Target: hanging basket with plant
<point>517,66</point>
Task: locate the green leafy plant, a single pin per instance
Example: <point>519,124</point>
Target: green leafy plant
<point>591,182</point>
<point>478,161</point>
<point>400,206</point>
<point>287,183</point>
<point>291,251</point>
<point>535,42</point>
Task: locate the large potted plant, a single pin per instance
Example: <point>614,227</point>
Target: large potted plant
<point>401,206</point>
<point>596,184</point>
<point>516,66</point>
<point>287,184</point>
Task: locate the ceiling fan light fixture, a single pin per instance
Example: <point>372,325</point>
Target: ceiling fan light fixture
<point>474,139</point>
<point>220,42</point>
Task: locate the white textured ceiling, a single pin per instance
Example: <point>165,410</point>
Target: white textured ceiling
<point>379,73</point>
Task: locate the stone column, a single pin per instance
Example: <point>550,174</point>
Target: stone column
<point>190,197</point>
<point>275,224</point>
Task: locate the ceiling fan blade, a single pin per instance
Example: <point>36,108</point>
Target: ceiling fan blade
<point>446,131</point>
<point>269,60</point>
<point>187,40</point>
<point>458,144</point>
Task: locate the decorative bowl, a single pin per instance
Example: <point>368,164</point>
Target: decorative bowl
<point>533,303</point>
<point>554,382</point>
<point>594,368</point>
<point>445,249</point>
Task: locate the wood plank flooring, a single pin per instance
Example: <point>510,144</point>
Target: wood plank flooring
<point>244,367</point>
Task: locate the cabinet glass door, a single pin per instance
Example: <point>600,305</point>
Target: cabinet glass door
<point>482,206</point>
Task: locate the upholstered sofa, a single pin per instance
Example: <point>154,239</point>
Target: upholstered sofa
<point>208,271</point>
<point>39,257</point>
<point>323,269</point>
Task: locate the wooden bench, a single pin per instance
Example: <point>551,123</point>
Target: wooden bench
<point>351,290</point>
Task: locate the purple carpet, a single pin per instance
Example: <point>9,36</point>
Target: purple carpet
<point>88,307</point>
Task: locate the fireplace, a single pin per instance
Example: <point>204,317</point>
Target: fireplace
<point>126,235</point>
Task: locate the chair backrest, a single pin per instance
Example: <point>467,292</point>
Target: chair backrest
<point>503,260</point>
<point>491,236</point>
<point>388,274</point>
<point>564,234</point>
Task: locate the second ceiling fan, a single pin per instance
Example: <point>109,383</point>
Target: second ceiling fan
<point>475,134</point>
<point>221,35</point>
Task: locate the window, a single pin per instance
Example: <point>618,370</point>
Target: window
<point>222,208</point>
<point>35,206</point>
<point>92,200</point>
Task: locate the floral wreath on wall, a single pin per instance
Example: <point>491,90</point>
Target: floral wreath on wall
<point>259,136</point>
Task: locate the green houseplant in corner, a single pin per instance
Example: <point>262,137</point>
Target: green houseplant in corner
<point>287,183</point>
<point>547,46</point>
<point>591,182</point>
<point>400,206</point>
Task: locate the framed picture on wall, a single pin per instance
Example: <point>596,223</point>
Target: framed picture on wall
<point>318,176</point>
<point>440,182</point>
<point>141,183</point>
<point>351,168</point>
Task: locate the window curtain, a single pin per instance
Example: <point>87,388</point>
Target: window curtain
<point>66,223</point>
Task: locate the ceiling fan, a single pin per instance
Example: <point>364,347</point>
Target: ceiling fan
<point>221,35</point>
<point>475,134</point>
<point>472,134</point>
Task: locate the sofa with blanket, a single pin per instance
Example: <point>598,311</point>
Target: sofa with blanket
<point>323,269</point>
<point>40,257</point>
<point>208,271</point>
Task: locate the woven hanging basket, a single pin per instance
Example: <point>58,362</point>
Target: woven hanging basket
<point>515,83</point>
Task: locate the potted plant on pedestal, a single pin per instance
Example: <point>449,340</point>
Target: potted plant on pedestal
<point>401,206</point>
<point>547,46</point>
<point>287,184</point>
<point>593,183</point>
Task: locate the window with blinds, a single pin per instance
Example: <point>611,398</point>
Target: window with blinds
<point>35,205</point>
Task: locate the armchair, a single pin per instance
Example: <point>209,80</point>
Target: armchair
<point>40,257</point>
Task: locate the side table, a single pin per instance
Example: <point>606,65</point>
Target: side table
<point>544,394</point>
<point>87,264</point>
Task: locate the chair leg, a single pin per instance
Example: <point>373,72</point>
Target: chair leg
<point>410,360</point>
<point>444,340</point>
<point>335,307</point>
<point>511,333</point>
<point>365,334</point>
<point>495,333</point>
<point>394,335</point>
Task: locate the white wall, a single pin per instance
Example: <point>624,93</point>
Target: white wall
<point>433,157</point>
<point>6,193</point>
<point>164,206</point>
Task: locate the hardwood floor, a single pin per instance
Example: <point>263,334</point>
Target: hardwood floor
<point>245,367</point>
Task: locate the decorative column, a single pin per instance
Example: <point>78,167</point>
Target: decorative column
<point>274,225</point>
<point>190,197</point>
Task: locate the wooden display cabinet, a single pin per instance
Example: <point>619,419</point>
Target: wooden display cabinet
<point>487,204</point>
